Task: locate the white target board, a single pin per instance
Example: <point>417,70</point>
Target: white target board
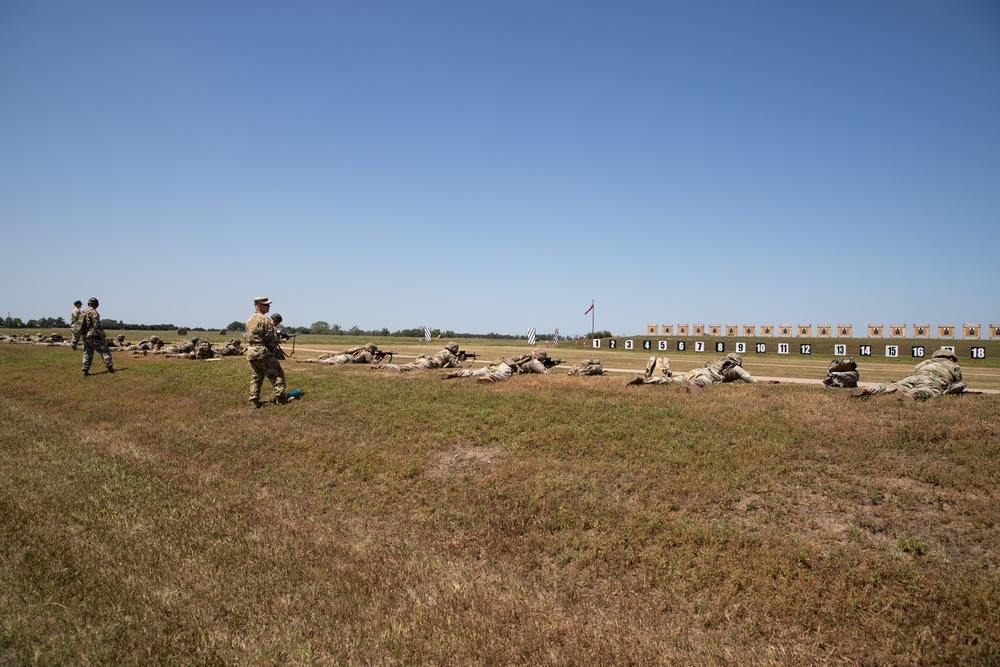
<point>628,344</point>
<point>741,348</point>
<point>661,345</point>
<point>892,351</point>
<point>597,343</point>
<point>699,346</point>
<point>782,348</point>
<point>840,350</point>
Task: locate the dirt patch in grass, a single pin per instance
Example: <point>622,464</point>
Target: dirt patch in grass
<point>461,458</point>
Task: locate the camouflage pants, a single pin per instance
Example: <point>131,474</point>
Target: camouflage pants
<point>332,359</point>
<point>701,377</point>
<point>587,367</point>
<point>920,387</point>
<point>270,368</point>
<point>76,336</point>
<point>496,373</point>
<point>91,345</point>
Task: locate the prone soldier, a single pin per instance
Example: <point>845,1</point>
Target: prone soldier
<point>936,376</point>
<point>725,369</point>
<point>536,362</point>
<point>364,354</point>
<point>842,374</point>
<point>446,358</point>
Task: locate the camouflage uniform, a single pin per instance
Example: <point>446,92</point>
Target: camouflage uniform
<point>938,375</point>
<point>365,354</point>
<point>587,367</point>
<point>94,338</point>
<point>503,369</point>
<point>75,318</point>
<point>263,355</point>
<point>725,369</point>
<point>842,374</point>
<point>444,359</point>
<point>183,347</point>
<point>231,349</point>
<point>203,350</point>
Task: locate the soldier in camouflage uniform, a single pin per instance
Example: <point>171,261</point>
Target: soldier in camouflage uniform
<point>74,322</point>
<point>203,350</point>
<point>938,375</point>
<point>587,367</point>
<point>179,348</point>
<point>365,354</point>
<point>444,359</point>
<point>233,348</point>
<point>842,374</point>
<point>536,362</point>
<point>725,369</point>
<point>94,338</point>
<point>263,353</point>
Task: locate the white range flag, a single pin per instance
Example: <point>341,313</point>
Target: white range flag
<point>427,334</point>
<point>555,338</point>
<point>531,336</point>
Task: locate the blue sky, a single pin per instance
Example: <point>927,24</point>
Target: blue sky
<point>496,166</point>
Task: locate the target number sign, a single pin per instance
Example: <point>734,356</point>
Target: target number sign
<point>865,351</point>
<point>647,345</point>
<point>979,353</point>
<point>805,348</point>
<point>917,351</point>
<point>741,348</point>
<point>597,343</point>
<point>661,345</point>
<point>782,348</point>
<point>840,350</point>
<point>699,346</point>
<point>681,346</point>
<point>892,351</point>
<point>720,346</point>
<point>761,348</point>
<point>628,344</point>
<point>612,344</point>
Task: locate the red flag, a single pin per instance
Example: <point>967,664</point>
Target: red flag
<point>586,312</point>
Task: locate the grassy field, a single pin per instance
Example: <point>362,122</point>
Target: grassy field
<point>152,517</point>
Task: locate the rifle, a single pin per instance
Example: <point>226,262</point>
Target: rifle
<point>380,355</point>
<point>463,355</point>
<point>550,363</point>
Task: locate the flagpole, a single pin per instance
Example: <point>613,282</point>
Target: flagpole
<point>593,314</point>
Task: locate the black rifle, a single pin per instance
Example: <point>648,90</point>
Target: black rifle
<point>550,363</point>
<point>380,355</point>
<point>463,355</point>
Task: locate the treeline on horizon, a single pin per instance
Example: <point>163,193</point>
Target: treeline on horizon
<point>319,328</point>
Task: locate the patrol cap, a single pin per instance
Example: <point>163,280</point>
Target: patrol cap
<point>78,303</point>
<point>262,301</point>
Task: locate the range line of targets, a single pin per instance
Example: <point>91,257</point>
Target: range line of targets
<point>761,347</point>
<point>967,331</point>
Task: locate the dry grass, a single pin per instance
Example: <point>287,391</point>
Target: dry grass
<point>151,517</point>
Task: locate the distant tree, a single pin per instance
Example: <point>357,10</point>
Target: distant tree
<point>355,331</point>
<point>235,325</point>
<point>336,330</point>
<point>599,334</point>
<point>320,327</point>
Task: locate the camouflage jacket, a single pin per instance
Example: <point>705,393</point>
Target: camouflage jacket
<point>74,319</point>
<point>944,371</point>
<point>90,325</point>
<point>262,337</point>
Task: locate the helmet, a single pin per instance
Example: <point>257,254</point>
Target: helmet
<point>92,301</point>
<point>276,318</point>
<point>155,339</point>
<point>371,347</point>
<point>121,336</point>
<point>235,341</point>
<point>944,353</point>
<point>452,347</point>
<point>195,339</point>
<point>735,358</point>
<point>539,353</point>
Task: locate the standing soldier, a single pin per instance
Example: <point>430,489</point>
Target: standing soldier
<point>74,322</point>
<point>94,337</point>
<point>263,353</point>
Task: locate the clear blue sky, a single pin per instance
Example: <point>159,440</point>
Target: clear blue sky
<point>495,166</point>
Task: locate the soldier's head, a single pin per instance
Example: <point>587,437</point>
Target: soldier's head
<point>93,302</point>
<point>452,347</point>
<point>195,339</point>
<point>235,341</point>
<point>120,336</point>
<point>154,339</point>
<point>540,354</point>
<point>735,358</point>
<point>262,304</point>
<point>276,318</point>
<point>78,303</point>
<point>944,353</point>
<point>371,347</point>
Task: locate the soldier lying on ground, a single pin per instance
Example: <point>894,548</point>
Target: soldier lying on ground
<point>364,354</point>
<point>180,347</point>
<point>938,375</point>
<point>444,359</point>
<point>726,369</point>
<point>842,374</point>
<point>586,367</point>
<point>536,362</point>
